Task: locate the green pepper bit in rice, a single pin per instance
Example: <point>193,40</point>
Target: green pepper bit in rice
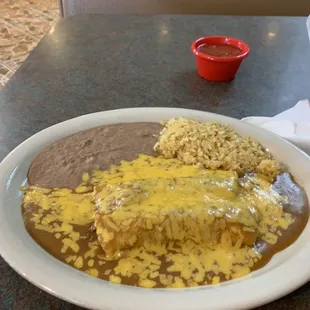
<point>214,146</point>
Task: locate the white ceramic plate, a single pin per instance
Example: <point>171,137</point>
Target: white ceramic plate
<point>287,270</point>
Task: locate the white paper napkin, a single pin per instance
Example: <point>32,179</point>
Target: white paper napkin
<point>292,124</point>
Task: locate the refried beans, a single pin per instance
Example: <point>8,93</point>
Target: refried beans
<point>62,163</point>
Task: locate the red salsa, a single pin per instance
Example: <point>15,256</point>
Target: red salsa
<point>219,50</point>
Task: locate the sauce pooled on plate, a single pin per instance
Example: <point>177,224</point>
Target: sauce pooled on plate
<point>153,221</point>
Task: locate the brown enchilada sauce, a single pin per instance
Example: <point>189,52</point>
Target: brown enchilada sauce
<point>89,257</point>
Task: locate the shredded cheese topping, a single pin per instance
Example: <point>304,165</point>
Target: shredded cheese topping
<point>162,247</point>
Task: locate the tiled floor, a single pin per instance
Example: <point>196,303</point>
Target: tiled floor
<point>22,25</point>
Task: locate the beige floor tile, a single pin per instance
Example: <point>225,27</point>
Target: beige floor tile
<point>5,75</point>
<point>22,24</point>
<point>32,21</point>
<point>28,19</point>
<point>15,45</point>
<point>47,6</point>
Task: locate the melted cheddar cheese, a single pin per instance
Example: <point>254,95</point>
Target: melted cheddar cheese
<point>162,209</point>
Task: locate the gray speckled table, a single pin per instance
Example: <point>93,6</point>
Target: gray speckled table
<point>98,62</point>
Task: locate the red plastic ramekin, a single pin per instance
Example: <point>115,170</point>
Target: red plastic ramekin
<point>219,69</point>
